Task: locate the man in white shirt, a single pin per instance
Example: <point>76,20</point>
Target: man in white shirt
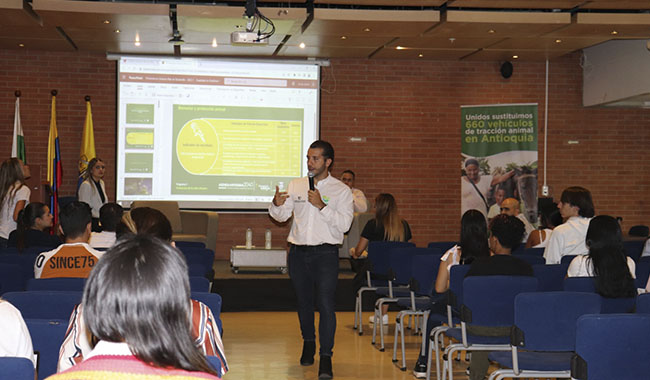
<point>360,201</point>
<point>109,216</point>
<point>577,209</point>
<point>510,206</point>
<point>320,218</point>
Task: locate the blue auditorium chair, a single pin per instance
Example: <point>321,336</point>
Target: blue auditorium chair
<point>376,276</point>
<point>612,346</point>
<point>56,284</point>
<point>643,303</point>
<point>44,304</point>
<point>17,368</point>
<point>47,336</point>
<point>608,305</point>
<point>443,246</point>
<point>424,269</point>
<point>544,333</point>
<point>550,277</point>
<point>488,301</point>
<point>642,272</point>
<point>532,259</point>
<point>11,279</point>
<point>199,284</point>
<point>633,248</point>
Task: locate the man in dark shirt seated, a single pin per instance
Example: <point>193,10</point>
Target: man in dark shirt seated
<point>506,233</point>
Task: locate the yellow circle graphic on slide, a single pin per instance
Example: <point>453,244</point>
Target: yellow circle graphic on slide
<point>197,146</point>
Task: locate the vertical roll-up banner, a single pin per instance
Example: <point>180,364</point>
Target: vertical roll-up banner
<point>499,157</point>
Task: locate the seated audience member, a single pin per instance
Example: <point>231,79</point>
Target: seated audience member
<point>360,201</point>
<point>33,222</point>
<point>510,206</point>
<point>577,209</point>
<point>606,261</point>
<point>110,215</point>
<point>386,226</point>
<point>78,342</point>
<point>499,196</point>
<point>506,232</point>
<point>15,340</point>
<point>550,218</point>
<point>473,244</point>
<point>75,258</point>
<point>137,305</point>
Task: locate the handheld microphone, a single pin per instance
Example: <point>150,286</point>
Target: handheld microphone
<point>311,181</point>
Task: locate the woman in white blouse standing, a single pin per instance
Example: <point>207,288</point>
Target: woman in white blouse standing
<point>14,196</point>
<point>92,190</point>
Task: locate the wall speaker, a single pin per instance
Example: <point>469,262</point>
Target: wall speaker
<point>506,69</point>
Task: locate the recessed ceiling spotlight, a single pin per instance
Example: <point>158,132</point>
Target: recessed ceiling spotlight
<point>420,55</point>
<point>117,31</point>
<point>558,41</point>
<point>214,42</point>
<point>366,29</point>
<point>21,45</point>
<point>137,43</point>
<point>137,39</point>
<point>614,32</point>
<point>107,21</point>
<point>452,39</point>
<point>491,31</point>
<point>302,45</point>
<point>344,37</point>
<point>515,56</point>
<point>400,47</point>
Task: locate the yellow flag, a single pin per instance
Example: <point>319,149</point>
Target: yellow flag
<point>87,141</point>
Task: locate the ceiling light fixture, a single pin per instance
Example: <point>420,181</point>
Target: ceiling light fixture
<point>117,31</point>
<point>491,31</point>
<point>558,41</point>
<point>21,45</point>
<point>614,32</point>
<point>344,37</point>
<point>302,45</point>
<point>107,21</point>
<point>214,42</point>
<point>515,56</point>
<point>420,55</point>
<point>366,30</point>
<point>137,39</point>
<point>400,47</point>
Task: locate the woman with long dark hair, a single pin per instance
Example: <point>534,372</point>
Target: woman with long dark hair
<point>137,304</point>
<point>473,244</point>
<point>14,195</point>
<point>550,218</point>
<point>386,226</point>
<point>92,190</point>
<point>606,261</point>
<point>33,223</point>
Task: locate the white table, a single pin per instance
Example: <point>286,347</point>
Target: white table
<point>242,257</point>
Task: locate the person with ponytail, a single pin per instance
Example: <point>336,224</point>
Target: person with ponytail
<point>606,261</point>
<point>386,226</point>
<point>14,195</point>
<point>34,221</point>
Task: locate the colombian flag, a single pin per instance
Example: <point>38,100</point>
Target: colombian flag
<point>54,173</point>
<point>87,152</point>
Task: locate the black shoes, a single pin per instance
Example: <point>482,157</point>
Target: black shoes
<point>308,351</point>
<point>325,367</point>
<point>420,370</point>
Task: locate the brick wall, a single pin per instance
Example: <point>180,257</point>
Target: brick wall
<point>409,113</point>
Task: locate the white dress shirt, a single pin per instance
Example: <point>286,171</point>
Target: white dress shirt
<point>310,225</point>
<point>567,239</point>
<point>360,201</point>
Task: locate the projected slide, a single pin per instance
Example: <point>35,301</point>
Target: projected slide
<point>213,133</point>
<point>218,151</point>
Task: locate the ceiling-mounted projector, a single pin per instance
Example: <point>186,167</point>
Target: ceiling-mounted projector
<point>247,38</point>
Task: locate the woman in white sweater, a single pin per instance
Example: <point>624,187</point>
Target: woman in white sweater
<point>92,190</point>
